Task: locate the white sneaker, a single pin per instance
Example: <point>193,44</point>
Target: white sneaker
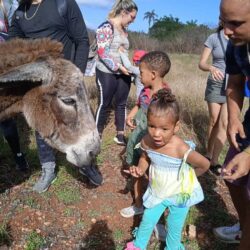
<point>160,232</point>
<point>131,211</point>
<point>228,234</point>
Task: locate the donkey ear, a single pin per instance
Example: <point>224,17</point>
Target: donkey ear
<point>36,73</point>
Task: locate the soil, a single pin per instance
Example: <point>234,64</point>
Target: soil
<point>73,214</point>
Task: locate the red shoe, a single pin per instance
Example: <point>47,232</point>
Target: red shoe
<point>131,246</point>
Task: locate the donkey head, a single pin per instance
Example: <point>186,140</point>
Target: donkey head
<point>50,93</point>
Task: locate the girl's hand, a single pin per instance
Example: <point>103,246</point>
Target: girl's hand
<point>123,70</point>
<point>134,171</point>
<point>130,122</point>
<point>216,73</point>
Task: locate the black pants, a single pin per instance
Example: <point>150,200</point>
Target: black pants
<point>9,130</point>
<point>112,86</point>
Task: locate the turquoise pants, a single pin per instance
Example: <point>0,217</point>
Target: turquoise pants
<point>175,221</point>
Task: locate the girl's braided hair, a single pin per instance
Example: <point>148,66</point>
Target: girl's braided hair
<point>164,103</point>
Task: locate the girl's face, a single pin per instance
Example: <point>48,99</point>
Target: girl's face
<point>146,75</point>
<point>161,128</point>
<point>128,17</point>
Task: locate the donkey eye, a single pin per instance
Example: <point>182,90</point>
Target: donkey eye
<point>68,101</point>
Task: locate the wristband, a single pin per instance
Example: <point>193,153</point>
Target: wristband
<point>247,150</point>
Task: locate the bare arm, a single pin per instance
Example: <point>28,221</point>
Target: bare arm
<point>140,170</point>
<point>203,65</point>
<point>235,97</point>
<point>131,116</point>
<point>128,65</point>
<point>198,162</point>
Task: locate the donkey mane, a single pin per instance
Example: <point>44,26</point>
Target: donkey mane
<point>19,52</point>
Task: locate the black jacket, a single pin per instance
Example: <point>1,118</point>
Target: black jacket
<point>47,22</point>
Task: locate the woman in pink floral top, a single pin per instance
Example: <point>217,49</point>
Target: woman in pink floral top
<point>112,78</point>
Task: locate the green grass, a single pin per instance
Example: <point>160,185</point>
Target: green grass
<point>68,212</point>
<point>64,189</point>
<point>106,142</point>
<point>5,236</point>
<point>31,202</point>
<point>94,213</point>
<point>118,235</point>
<point>80,224</point>
<point>68,195</point>
<point>34,241</point>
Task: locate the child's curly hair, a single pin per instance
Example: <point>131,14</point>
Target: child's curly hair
<point>164,103</point>
<point>157,61</point>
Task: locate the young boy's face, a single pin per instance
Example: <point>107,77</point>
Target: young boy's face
<point>146,75</point>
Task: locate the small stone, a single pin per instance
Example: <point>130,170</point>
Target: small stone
<point>38,213</point>
<point>192,232</point>
<point>93,220</point>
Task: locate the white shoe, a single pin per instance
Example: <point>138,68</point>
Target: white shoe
<point>228,234</point>
<point>131,211</point>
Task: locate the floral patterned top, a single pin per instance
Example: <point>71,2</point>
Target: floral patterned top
<point>9,8</point>
<point>6,12</point>
<point>109,40</point>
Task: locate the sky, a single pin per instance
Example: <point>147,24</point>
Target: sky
<point>202,11</point>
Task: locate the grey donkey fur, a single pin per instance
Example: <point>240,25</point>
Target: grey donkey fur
<point>35,80</point>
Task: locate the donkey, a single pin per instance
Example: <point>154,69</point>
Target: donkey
<point>35,80</point>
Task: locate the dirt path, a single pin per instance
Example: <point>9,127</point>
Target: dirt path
<point>72,214</point>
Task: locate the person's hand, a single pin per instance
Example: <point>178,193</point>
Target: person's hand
<point>216,73</point>
<point>239,166</point>
<point>130,122</point>
<point>121,49</point>
<point>123,70</point>
<point>235,127</point>
<point>134,171</point>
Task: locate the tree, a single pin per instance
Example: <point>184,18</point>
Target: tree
<point>166,27</point>
<point>151,16</point>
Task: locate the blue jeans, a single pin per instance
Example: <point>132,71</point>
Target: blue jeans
<point>175,221</point>
<point>45,152</point>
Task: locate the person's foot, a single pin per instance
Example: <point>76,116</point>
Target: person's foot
<point>47,178</point>
<point>160,232</point>
<point>120,139</point>
<point>92,174</point>
<point>131,211</point>
<point>21,163</point>
<point>228,234</point>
